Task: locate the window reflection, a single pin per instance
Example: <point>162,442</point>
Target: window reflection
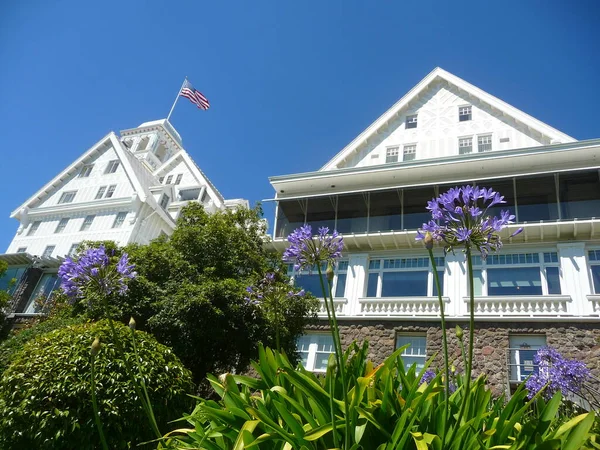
<point>579,195</point>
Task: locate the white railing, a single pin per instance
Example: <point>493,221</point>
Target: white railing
<point>400,306</point>
<point>594,300</point>
<point>534,305</point>
<point>338,303</point>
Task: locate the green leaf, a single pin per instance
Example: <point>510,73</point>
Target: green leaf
<point>579,435</point>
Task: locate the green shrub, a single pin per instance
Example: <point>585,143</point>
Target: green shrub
<point>45,397</point>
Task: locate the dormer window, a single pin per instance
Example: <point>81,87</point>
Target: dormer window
<point>169,179</point>
<point>86,171</point>
<point>391,155</point>
<point>464,113</point>
<point>409,152</point>
<point>411,121</point>
<point>178,179</point>
<point>67,197</point>
<point>112,166</point>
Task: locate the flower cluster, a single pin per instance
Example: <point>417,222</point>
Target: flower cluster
<point>268,289</point>
<point>93,269</point>
<point>459,218</point>
<point>307,250</point>
<point>427,377</point>
<point>557,373</point>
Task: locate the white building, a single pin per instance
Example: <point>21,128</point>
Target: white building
<point>542,288</point>
<point>128,188</point>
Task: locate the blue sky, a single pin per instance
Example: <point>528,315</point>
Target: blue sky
<point>290,83</point>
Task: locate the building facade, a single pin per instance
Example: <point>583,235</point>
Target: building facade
<point>127,188</point>
<point>543,288</point>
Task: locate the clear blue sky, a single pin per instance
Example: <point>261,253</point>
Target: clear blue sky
<point>290,83</point>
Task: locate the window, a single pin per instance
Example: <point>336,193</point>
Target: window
<point>112,166</point>
<point>111,191</point>
<point>391,155</point>
<point>484,143</point>
<point>594,259</point>
<point>517,274</point>
<point>464,113</point>
<point>119,220</point>
<point>411,121</point>
<point>73,249</point>
<point>314,350</point>
<point>403,277</point>
<point>410,152</point>
<point>178,179</point>
<point>189,194</point>
<point>522,349</point>
<point>465,145</point>
<point>47,284</point>
<point>161,179</point>
<point>100,192</point>
<point>87,223</point>
<point>169,179</point>
<point>416,352</point>
<point>10,279</point>
<point>164,201</point>
<point>48,251</point>
<point>67,197</point>
<point>21,249</point>
<point>86,171</point>
<point>61,225</point>
<point>34,227</point>
<point>310,281</point>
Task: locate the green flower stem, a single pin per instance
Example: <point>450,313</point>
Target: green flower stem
<point>143,383</point>
<point>95,404</point>
<point>444,344</point>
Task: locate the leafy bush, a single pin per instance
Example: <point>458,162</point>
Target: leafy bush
<point>45,397</point>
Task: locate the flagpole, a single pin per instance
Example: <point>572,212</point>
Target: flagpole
<point>176,98</point>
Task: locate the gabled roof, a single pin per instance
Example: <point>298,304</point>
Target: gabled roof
<point>434,76</point>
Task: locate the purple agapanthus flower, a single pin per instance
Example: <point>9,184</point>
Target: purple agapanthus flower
<point>459,218</point>
<point>93,269</point>
<point>428,377</point>
<point>306,251</point>
<point>556,373</point>
<point>268,290</point>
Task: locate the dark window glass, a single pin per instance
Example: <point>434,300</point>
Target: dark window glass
<point>404,284</point>
<point>11,278</point>
<point>311,283</point>
<point>352,214</point>
<point>579,195</point>
<point>441,277</point>
<point>517,281</point>
<point>321,213</point>
<point>415,201</point>
<point>340,287</point>
<point>289,217</point>
<point>385,213</point>
<point>372,285</point>
<point>536,199</point>
<point>505,188</point>
<point>596,278</point>
<point>553,280</point>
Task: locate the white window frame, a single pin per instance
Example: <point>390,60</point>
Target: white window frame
<point>62,224</point>
<point>160,180</point>
<point>484,143</point>
<point>593,257</point>
<point>516,359</point>
<point>544,261</point>
<point>119,219</point>
<point>179,178</point>
<point>464,143</point>
<point>100,193</point>
<point>410,120</point>
<point>409,149</point>
<point>86,171</point>
<point>85,225</point>
<point>112,166</point>
<point>465,111</point>
<point>311,348</point>
<point>73,249</point>
<point>67,197</point>
<point>377,265</point>
<point>164,201</point>
<point>169,179</point>
<point>22,250</point>
<point>110,191</point>
<point>34,227</point>
<point>392,154</point>
<point>48,251</point>
<point>412,351</point>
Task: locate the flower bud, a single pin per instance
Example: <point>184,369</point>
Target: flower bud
<point>223,378</point>
<point>329,272</point>
<point>459,332</point>
<point>428,240</point>
<point>95,347</point>
<point>132,323</point>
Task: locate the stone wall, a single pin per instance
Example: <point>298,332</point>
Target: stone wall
<point>574,340</point>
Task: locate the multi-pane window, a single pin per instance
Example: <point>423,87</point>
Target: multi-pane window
<point>67,197</point>
<point>464,113</point>
<point>34,227</point>
<point>21,249</point>
<point>112,166</point>
<point>411,121</point>
<point>179,178</point>
<point>403,277</point>
<point>73,249</point>
<point>310,281</point>
<point>87,222</point>
<point>100,193</point>
<point>409,152</point>
<point>61,225</point>
<point>169,179</point>
<point>314,350</point>
<point>48,251</point>
<point>465,145</point>
<point>594,260</point>
<point>86,171</point>
<point>522,349</point>
<point>391,155</point>
<point>110,191</point>
<point>161,179</point>
<point>164,201</point>
<point>517,274</point>
<point>484,143</point>
<point>416,352</point>
<point>119,220</point>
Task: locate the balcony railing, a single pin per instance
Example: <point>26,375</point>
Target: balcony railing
<point>594,300</point>
<point>542,305</point>
<point>340,305</point>
<point>400,306</point>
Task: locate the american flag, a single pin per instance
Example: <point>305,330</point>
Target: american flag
<point>195,96</point>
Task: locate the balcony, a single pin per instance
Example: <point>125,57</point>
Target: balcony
<point>401,306</point>
<point>149,158</point>
<point>530,306</point>
<point>340,305</point>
